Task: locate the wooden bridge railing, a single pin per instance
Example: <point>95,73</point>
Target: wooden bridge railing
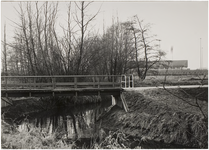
<point>63,81</point>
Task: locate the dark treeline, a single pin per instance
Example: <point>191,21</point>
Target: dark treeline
<point>38,49</point>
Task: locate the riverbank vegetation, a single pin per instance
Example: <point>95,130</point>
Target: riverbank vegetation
<point>174,80</point>
<point>155,115</point>
<point>38,139</point>
<point>33,139</point>
<point>155,119</point>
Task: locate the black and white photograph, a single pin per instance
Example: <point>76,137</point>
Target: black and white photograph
<point>104,74</point>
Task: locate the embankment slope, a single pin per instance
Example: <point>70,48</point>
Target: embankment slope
<point>159,116</point>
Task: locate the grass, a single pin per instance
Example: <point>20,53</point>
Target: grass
<point>164,98</point>
<point>33,139</point>
<point>157,116</point>
<point>171,80</point>
<point>117,140</point>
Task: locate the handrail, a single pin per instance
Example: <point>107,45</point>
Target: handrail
<point>57,76</point>
<point>65,81</point>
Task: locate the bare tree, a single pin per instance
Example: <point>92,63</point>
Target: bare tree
<point>117,47</point>
<point>83,24</point>
<point>38,37</point>
<point>38,49</point>
<point>24,29</point>
<point>70,43</point>
<point>147,52</point>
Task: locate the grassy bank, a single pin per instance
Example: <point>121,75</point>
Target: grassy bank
<point>171,80</point>
<point>155,115</point>
<point>155,118</point>
<point>33,139</point>
<point>38,139</point>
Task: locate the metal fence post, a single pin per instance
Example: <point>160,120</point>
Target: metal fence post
<point>132,80</point>
<point>129,79</point>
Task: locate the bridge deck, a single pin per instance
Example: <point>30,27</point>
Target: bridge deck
<point>59,92</point>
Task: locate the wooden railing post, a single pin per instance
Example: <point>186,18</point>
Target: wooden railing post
<point>93,81</point>
<point>121,81</point>
<point>29,83</point>
<point>98,82</point>
<point>6,82</point>
<point>75,82</point>
<point>34,81</point>
<point>54,82</point>
<point>21,81</point>
<point>113,80</point>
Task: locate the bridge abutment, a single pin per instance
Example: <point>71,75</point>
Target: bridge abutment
<point>120,101</point>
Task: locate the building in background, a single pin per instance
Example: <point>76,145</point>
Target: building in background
<point>164,64</point>
<point>172,64</point>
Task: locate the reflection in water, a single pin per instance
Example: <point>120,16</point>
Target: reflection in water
<point>81,125</point>
<point>69,123</point>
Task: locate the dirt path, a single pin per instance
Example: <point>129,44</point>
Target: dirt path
<point>168,87</point>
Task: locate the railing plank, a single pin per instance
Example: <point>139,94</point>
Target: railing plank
<point>64,83</point>
<point>27,84</point>
<point>62,76</point>
<point>88,83</point>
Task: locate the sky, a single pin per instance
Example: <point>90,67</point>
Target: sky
<point>181,25</point>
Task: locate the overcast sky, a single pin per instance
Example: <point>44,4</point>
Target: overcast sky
<point>177,24</point>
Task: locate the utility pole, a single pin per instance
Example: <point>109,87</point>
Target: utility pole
<point>5,51</point>
<point>200,54</point>
<point>159,43</point>
<point>172,56</point>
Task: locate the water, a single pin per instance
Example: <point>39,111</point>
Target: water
<point>71,123</point>
<point>81,124</point>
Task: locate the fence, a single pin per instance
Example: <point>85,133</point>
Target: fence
<point>67,81</point>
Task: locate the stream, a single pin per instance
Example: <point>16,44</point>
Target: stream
<point>76,123</point>
<point>80,124</point>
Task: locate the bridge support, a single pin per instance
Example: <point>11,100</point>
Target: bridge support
<point>120,101</point>
<point>5,101</point>
<point>76,96</point>
<point>113,100</point>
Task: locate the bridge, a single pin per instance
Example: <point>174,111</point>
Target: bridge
<point>64,85</point>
